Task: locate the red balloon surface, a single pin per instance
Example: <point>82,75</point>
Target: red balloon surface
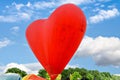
<point>55,40</point>
<point>32,77</point>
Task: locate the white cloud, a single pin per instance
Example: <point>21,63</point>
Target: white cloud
<point>111,6</point>
<point>77,2</point>
<point>18,6</point>
<point>55,3</point>
<point>4,42</point>
<point>43,5</point>
<point>16,12</point>
<point>33,67</point>
<point>24,12</point>
<point>1,69</point>
<point>18,16</point>
<point>11,65</point>
<point>103,15</point>
<point>28,4</point>
<point>116,74</point>
<point>15,29</point>
<point>9,18</point>
<point>104,0</point>
<point>49,4</point>
<point>96,10</point>
<point>104,50</point>
<point>24,15</point>
<point>30,68</point>
<point>72,66</point>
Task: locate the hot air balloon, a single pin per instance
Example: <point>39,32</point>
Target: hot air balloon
<point>54,40</point>
<point>32,77</point>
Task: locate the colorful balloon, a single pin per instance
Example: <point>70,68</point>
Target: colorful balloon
<point>55,40</point>
<point>32,77</point>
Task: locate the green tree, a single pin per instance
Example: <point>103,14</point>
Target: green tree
<point>74,73</point>
<point>42,73</point>
<point>65,73</point>
<point>96,74</point>
<point>47,76</point>
<point>83,73</point>
<point>17,71</point>
<point>114,77</point>
<point>75,76</point>
<point>89,76</point>
<point>106,74</point>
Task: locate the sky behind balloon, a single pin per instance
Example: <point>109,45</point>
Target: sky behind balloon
<point>100,48</point>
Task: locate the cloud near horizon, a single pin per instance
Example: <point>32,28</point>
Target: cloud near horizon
<point>30,68</point>
<point>105,51</point>
<point>100,49</point>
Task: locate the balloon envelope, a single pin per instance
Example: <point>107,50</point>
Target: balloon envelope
<point>55,40</point>
<point>32,77</point>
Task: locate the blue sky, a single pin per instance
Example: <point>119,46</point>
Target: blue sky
<point>100,48</point>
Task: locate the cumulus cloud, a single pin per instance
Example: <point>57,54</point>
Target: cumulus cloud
<point>8,18</point>
<point>104,0</point>
<point>43,5</point>
<point>24,12</point>
<point>30,68</point>
<point>111,6</point>
<point>49,4</point>
<point>103,15</point>
<point>16,12</point>
<point>4,42</point>
<point>15,17</point>
<point>77,2</point>
<point>117,74</point>
<point>15,30</point>
<point>1,69</point>
<point>33,67</point>
<point>20,66</point>
<point>72,66</point>
<point>104,50</point>
<point>17,6</point>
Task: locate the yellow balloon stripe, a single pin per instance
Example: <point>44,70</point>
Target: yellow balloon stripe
<point>26,77</point>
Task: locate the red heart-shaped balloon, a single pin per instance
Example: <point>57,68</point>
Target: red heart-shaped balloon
<point>55,40</point>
